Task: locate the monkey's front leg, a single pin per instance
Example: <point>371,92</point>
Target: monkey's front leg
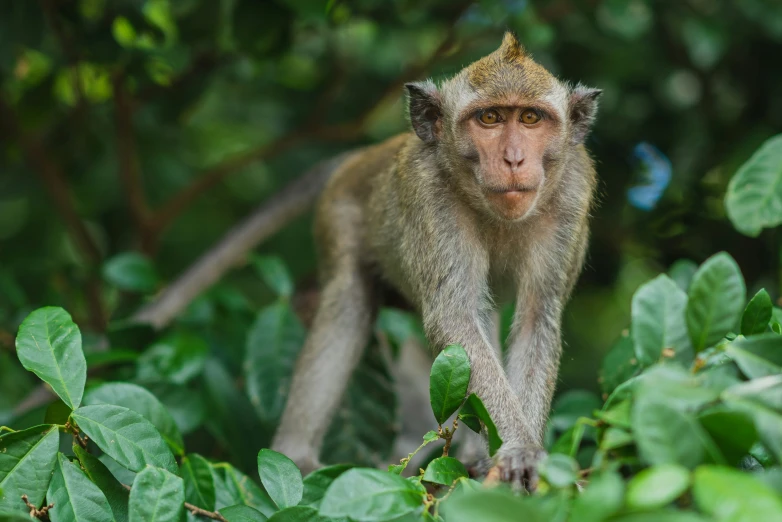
<point>532,365</point>
<point>518,454</point>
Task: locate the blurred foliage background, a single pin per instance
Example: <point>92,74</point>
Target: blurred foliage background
<point>135,133</point>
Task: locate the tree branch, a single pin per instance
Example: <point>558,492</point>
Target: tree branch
<point>129,164</point>
<point>54,183</point>
<point>270,217</point>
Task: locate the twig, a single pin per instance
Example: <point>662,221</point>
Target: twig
<point>214,515</point>
<point>42,513</point>
<point>128,163</point>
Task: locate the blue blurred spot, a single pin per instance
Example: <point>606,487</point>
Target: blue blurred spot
<point>655,175</point>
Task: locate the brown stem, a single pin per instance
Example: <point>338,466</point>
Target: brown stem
<point>42,513</point>
<point>53,181</point>
<point>129,164</point>
<point>214,515</point>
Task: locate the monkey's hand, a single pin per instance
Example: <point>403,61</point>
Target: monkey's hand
<point>516,464</point>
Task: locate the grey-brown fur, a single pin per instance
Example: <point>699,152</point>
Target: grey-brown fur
<point>410,213</point>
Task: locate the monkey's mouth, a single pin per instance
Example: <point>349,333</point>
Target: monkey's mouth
<point>510,191</point>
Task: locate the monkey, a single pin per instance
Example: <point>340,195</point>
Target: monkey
<point>486,200</point>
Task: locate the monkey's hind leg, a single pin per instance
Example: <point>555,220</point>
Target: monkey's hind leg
<point>338,336</point>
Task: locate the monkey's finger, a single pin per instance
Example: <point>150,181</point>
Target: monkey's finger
<point>492,477</point>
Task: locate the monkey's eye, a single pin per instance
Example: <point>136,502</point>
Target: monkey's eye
<point>530,116</point>
<point>489,117</point>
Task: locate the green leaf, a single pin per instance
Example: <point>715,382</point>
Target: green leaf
<point>730,495</point>
<point>493,506</point>
<point>242,513</point>
<point>757,314</point>
<point>733,432</point>
<point>317,482</point>
<point>75,497</point>
<point>49,345</point>
<point>445,471</point>
<point>571,406</point>
<point>754,197</point>
<point>157,496</point>
<point>757,356</point>
<point>234,487</point>
<point>682,272</point>
<point>767,422</point>
<point>766,391</point>
<point>199,485</point>
<point>125,436</point>
<point>116,495</point>
<point>619,365</point>
<point>273,343</point>
<point>132,272</point>
<point>603,496</point>
<point>370,495</point>
<point>665,435</point>
<point>274,273</point>
<point>716,299</point>
<point>448,382</point>
<point>27,460</point>
<point>658,321</point>
<point>559,470</point>
<point>142,402</point>
<point>280,477</point>
<point>473,407</point>
<point>657,486</point>
<point>299,514</point>
<point>365,426</point>
<point>177,358</point>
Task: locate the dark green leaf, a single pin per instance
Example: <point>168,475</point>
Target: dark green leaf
<point>131,271</point>
<point>759,355</point>
<point>370,495</point>
<point>732,431</point>
<point>116,495</point>
<point>492,506</point>
<point>27,460</point>
<point>142,402</point>
<point>242,513</point>
<point>767,422</point>
<point>49,345</point>
<point>280,477</point>
<point>445,471</point>
<point>125,436</point>
<point>365,426</point>
<point>199,485</point>
<point>716,299</point>
<point>753,201</point>
<point>316,483</point>
<point>274,274</point>
<point>473,407</point>
<point>273,343</point>
<point>177,358</point>
<point>571,406</point>
<point>619,365</point>
<point>448,381</point>
<point>75,497</point>
<point>234,487</point>
<point>657,486</point>
<point>658,321</point>
<point>757,314</point>
<point>157,496</point>
<point>730,495</point>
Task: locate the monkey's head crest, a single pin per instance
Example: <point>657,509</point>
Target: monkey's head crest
<point>509,69</point>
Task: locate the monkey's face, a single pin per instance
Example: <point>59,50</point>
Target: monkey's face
<point>508,142</point>
<point>501,125</point>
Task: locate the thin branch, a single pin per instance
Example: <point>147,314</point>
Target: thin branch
<point>270,217</point>
<point>340,132</point>
<point>53,179</point>
<point>214,515</point>
<point>129,163</point>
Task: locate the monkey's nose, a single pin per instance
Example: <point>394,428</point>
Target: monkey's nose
<point>513,158</point>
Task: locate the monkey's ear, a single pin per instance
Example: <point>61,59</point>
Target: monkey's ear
<point>582,111</point>
<point>425,109</point>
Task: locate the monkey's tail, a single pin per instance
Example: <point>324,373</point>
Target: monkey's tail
<point>266,220</point>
